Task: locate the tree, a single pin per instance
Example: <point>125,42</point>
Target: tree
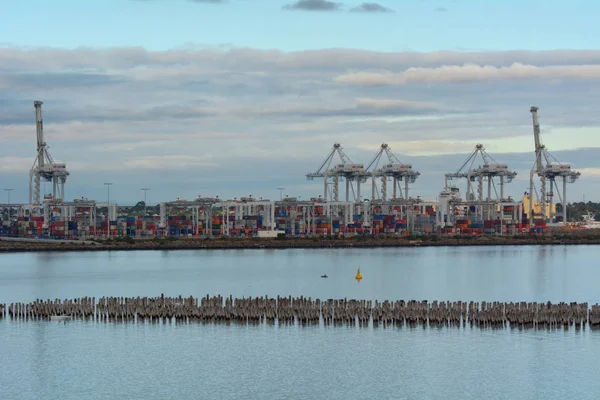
<point>138,207</point>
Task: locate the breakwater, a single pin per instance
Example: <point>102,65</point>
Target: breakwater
<point>230,244</point>
<point>307,311</point>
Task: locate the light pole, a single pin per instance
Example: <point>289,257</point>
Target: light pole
<point>280,193</point>
<point>145,191</point>
<point>8,193</point>
<point>108,209</point>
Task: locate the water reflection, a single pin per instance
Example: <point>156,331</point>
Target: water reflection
<point>518,273</point>
<point>76,361</point>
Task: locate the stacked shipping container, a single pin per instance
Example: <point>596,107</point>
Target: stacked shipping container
<point>288,219</point>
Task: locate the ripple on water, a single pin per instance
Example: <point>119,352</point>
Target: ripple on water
<point>45,360</point>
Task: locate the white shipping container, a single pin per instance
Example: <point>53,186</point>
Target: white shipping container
<point>269,234</point>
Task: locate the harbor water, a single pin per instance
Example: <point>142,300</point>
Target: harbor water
<point>100,360</point>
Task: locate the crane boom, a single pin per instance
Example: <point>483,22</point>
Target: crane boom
<point>536,138</point>
<point>39,124</point>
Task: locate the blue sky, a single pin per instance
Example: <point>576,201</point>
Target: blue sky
<point>243,97</point>
<point>415,25</point>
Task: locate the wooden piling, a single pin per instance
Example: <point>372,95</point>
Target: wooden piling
<point>311,312</point>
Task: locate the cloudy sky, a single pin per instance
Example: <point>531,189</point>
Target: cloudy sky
<point>238,97</point>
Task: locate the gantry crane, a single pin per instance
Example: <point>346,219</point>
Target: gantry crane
<point>548,168</point>
<point>44,166</point>
<point>394,169</point>
<point>345,169</point>
<point>488,170</point>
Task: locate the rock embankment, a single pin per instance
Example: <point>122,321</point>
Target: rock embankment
<point>217,244</point>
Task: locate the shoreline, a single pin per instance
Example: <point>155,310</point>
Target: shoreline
<point>273,244</point>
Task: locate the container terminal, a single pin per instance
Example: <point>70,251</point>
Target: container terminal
<point>483,208</point>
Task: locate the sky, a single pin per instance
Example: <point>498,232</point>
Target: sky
<point>240,97</point>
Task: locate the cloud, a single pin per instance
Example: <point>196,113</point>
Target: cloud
<point>470,73</point>
<point>69,80</point>
<point>314,5</point>
<point>441,9</point>
<point>371,8</point>
<point>233,121</point>
<point>590,172</point>
<point>137,63</point>
<point>168,162</point>
<point>163,162</point>
<point>368,78</point>
<point>424,147</point>
<point>129,146</point>
<point>16,164</point>
<point>362,107</point>
<point>388,104</point>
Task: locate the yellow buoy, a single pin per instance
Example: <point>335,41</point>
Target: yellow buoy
<point>358,275</point>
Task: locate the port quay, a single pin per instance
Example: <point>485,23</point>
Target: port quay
<point>483,208</point>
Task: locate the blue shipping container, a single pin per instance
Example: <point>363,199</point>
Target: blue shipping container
<point>378,217</point>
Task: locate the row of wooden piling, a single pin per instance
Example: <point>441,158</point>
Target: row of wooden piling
<point>306,311</point>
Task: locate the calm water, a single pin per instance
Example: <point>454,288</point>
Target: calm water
<point>79,360</point>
